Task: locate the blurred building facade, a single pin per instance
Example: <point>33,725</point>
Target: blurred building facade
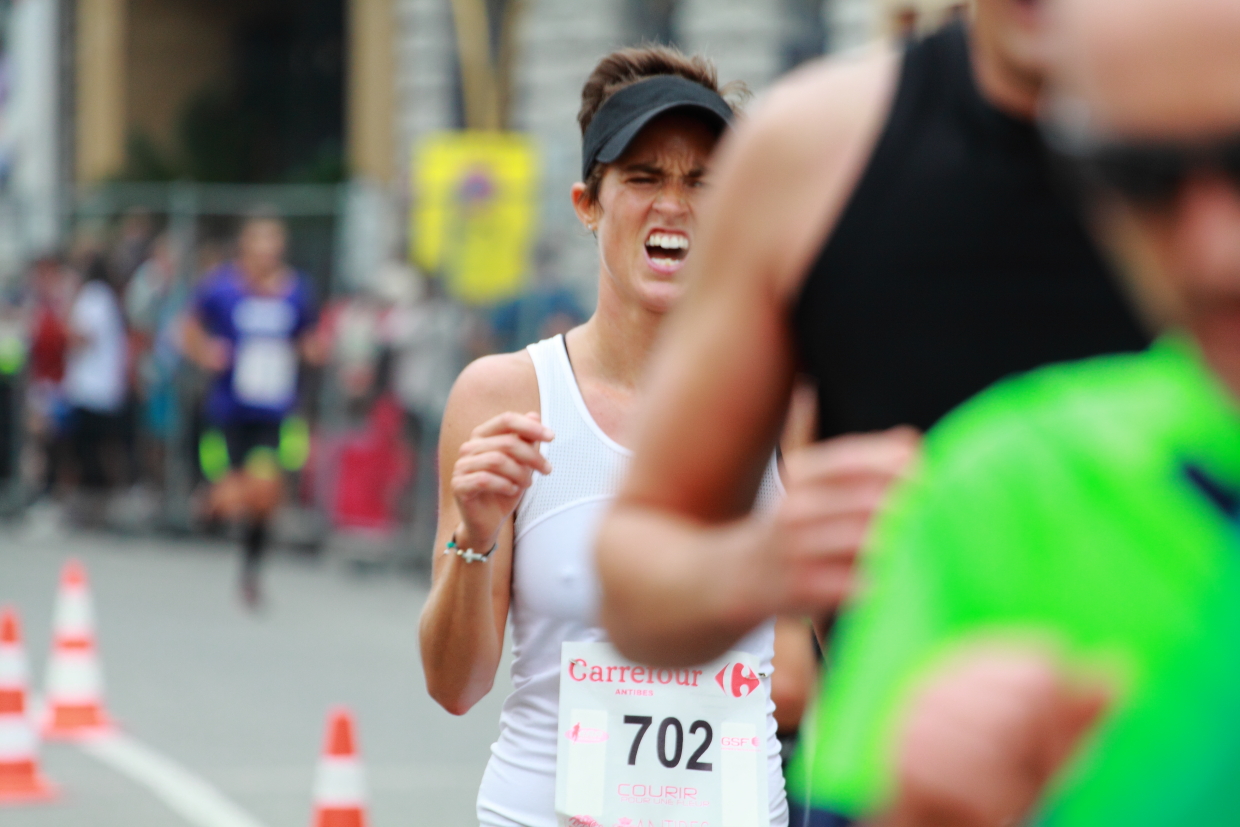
<point>338,92</point>
<point>556,44</point>
<point>34,148</point>
<point>135,134</point>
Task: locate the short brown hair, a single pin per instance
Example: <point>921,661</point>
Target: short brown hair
<point>626,67</point>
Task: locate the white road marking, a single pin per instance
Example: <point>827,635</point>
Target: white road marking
<point>195,800</point>
<point>414,778</point>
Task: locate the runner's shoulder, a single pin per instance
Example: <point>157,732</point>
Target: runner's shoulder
<point>1107,409</point>
<point>218,284</point>
<point>492,385</point>
<point>818,106</point>
<point>787,171</point>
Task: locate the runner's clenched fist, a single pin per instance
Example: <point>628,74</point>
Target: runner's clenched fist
<point>984,737</point>
<point>834,489</point>
<point>492,471</point>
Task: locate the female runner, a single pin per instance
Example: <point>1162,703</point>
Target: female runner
<point>526,490</point>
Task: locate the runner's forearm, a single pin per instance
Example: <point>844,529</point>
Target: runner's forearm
<point>313,348</point>
<point>460,644</point>
<point>194,343</point>
<point>675,592</point>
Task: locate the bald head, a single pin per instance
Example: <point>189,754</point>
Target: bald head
<point>1154,87</point>
<point>1162,69</point>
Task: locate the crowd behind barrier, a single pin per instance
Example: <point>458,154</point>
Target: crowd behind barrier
<point>101,421</point>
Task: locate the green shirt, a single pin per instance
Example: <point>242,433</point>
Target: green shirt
<point>1086,506</point>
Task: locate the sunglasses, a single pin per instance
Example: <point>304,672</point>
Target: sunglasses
<point>1149,174</point>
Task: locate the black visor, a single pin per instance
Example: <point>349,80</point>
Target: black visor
<point>625,113</point>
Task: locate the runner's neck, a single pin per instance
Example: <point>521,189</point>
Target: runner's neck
<point>268,281</point>
<point>615,344</point>
<point>1218,336</point>
<point>1003,84</point>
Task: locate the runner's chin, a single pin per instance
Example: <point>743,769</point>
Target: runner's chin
<point>659,292</point>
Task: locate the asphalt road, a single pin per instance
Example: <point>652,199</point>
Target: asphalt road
<point>240,700</point>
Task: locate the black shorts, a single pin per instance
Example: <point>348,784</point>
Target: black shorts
<point>243,438</point>
<point>94,433</point>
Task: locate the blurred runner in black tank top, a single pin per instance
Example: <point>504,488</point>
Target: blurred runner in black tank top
<point>954,263</point>
<point>886,224</point>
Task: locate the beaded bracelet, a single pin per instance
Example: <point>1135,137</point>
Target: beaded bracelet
<point>468,554</point>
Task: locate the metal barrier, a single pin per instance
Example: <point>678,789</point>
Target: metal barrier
<point>315,217</point>
<point>309,209</point>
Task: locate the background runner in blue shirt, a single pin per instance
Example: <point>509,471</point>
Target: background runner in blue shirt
<point>252,322</point>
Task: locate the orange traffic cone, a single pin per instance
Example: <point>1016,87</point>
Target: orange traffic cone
<point>339,787</point>
<point>74,681</point>
<point>20,780</point>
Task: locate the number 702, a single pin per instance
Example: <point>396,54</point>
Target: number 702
<point>643,722</point>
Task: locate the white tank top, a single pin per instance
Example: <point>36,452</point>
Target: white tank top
<point>555,598</point>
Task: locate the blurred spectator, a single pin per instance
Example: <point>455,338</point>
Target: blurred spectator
<point>430,334</point>
<point>357,329</point>
<point>211,253</point>
<point>132,247</point>
<point>370,466</point>
<point>432,338</point>
<point>12,357</point>
<point>153,302</point>
<point>51,290</point>
<point>147,293</point>
<point>94,382</point>
<point>541,312</point>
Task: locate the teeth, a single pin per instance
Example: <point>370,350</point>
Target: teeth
<point>668,241</point>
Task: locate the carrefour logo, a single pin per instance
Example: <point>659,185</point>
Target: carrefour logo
<point>737,680</point>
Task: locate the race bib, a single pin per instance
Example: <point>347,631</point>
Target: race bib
<point>265,372</point>
<point>640,746</point>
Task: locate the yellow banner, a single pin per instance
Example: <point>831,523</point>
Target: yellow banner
<point>473,223</point>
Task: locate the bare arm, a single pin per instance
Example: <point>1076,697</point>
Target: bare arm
<point>488,454</point>
<point>685,570</point>
<point>201,348</point>
<point>313,346</point>
<point>984,738</point>
<point>78,337</point>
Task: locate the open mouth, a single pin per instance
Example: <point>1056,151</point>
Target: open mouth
<point>667,251</point>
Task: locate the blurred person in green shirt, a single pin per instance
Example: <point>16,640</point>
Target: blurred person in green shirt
<point>1050,626</point>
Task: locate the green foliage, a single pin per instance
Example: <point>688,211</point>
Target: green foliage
<point>146,161</point>
<point>214,136</point>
